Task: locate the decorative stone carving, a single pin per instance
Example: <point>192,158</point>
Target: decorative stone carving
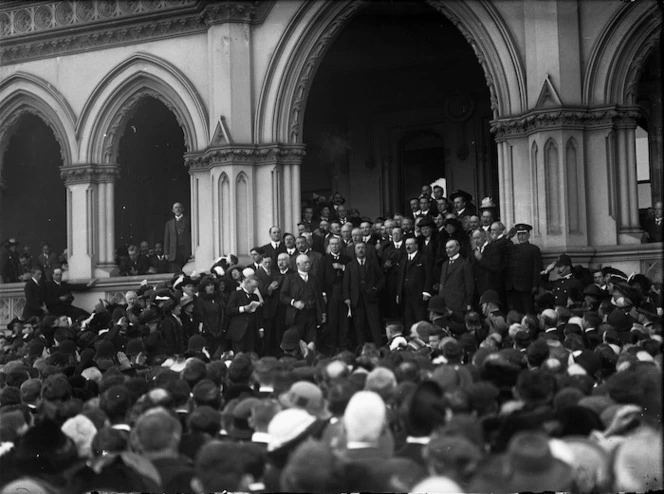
<point>89,173</point>
<point>308,71</point>
<point>246,154</point>
<point>114,22</point>
<point>117,127</point>
<point>8,125</point>
<point>580,118</point>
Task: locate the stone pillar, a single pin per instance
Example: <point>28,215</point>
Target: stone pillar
<point>81,219</point>
<point>629,230</point>
<point>106,176</point>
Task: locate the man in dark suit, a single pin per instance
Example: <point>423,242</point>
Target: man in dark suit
<point>370,250</point>
<point>135,264</point>
<point>479,242</point>
<point>256,254</point>
<point>158,261</point>
<point>268,285</point>
<point>494,259</point>
<point>58,296</point>
<point>653,225</point>
<point>34,295</point>
<point>427,242</point>
<point>316,258</point>
<point>523,272</point>
<point>177,238</point>
<point>393,255</point>
<point>275,246</point>
<point>457,285</point>
<point>369,237</point>
<point>363,281</point>
<point>279,324</point>
<point>303,298</point>
<point>333,267</point>
<point>415,285</point>
<point>244,316</point>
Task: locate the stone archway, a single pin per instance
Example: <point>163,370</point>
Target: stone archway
<point>311,32</point>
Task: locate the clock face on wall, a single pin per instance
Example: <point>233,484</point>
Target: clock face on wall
<point>459,106</point>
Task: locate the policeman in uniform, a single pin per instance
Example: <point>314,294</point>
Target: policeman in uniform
<point>523,272</point>
<point>566,285</point>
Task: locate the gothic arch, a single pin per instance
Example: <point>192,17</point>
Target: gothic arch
<point>619,54</point>
<point>24,93</point>
<point>111,102</point>
<point>313,28</point>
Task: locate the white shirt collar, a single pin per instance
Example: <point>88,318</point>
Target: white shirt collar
<point>418,440</point>
<point>303,274</point>
<point>455,257</point>
<point>275,245</point>
<point>260,437</point>
<point>178,218</point>
<point>398,244</point>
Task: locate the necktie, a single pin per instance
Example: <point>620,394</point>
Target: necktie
<point>451,261</point>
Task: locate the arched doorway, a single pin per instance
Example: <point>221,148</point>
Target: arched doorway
<point>32,196</point>
<point>398,70</point>
<point>152,173</point>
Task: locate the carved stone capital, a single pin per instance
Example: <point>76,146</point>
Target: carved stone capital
<point>89,173</point>
<point>222,12</point>
<point>245,154</point>
<point>564,118</point>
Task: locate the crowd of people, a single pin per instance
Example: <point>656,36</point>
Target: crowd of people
<point>425,352</point>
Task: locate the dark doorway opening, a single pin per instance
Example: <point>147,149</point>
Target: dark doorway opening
<point>152,174</point>
<point>397,69</point>
<point>33,197</point>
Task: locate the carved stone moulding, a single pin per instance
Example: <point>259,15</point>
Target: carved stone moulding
<point>245,154</point>
<point>56,28</point>
<point>564,117</point>
<point>87,173</point>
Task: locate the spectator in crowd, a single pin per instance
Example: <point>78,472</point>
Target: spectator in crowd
<point>133,398</point>
<point>134,264</point>
<point>653,225</point>
<point>48,261</point>
<point>58,296</point>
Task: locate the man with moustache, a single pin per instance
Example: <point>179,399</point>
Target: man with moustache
<point>415,284</point>
<point>362,284</point>
<point>393,254</point>
<point>332,275</point>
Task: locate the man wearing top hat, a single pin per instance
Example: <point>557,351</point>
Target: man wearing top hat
<point>523,272</point>
<point>463,203</point>
<point>428,243</point>
<point>566,284</point>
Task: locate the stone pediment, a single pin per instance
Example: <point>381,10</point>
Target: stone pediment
<point>548,97</point>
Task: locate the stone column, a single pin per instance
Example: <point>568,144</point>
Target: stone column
<point>106,176</point>
<point>81,218</point>
<point>629,230</point>
<point>202,216</point>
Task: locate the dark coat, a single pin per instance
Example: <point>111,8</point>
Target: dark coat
<point>138,267</point>
<point>369,285</point>
<point>494,260</point>
<point>331,277</point>
<point>457,284</point>
<point>34,299</point>
<point>523,267</point>
<point>240,323</point>
<point>170,239</point>
<point>269,251</point>
<point>414,277</point>
<point>270,296</point>
<point>210,311</point>
<point>172,333</point>
<point>53,291</point>
<point>295,288</point>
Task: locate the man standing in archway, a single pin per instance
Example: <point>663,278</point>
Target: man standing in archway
<point>177,239</point>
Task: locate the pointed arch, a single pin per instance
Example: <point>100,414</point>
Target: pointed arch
<point>224,215</point>
<point>242,212</point>
<point>572,186</point>
<point>111,102</point>
<point>619,54</point>
<point>552,187</point>
<point>23,93</point>
<point>313,28</point>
